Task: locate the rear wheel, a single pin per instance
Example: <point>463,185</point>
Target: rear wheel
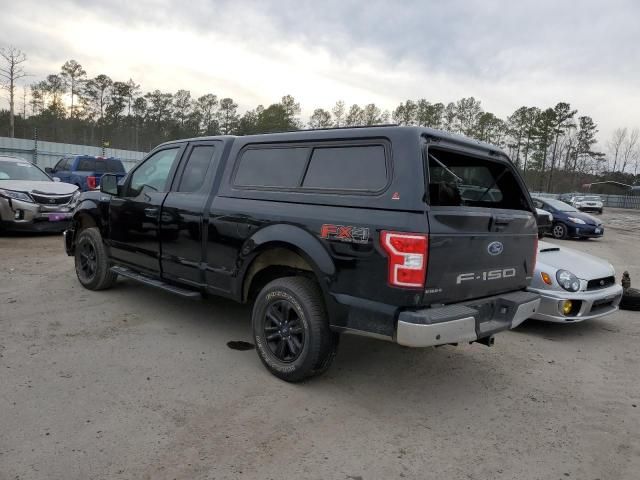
<point>291,329</point>
<point>92,264</point>
<point>559,231</point>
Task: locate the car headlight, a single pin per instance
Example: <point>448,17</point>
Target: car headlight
<point>568,280</point>
<point>16,195</point>
<point>74,199</point>
<point>579,221</point>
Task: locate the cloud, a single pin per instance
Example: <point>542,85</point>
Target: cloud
<point>507,54</point>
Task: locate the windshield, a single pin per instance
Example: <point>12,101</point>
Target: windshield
<point>10,170</point>
<point>561,206</point>
<point>592,198</point>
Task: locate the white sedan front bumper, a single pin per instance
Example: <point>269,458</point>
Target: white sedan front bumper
<point>593,304</point>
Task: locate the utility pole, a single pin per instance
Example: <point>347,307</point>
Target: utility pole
<point>35,146</point>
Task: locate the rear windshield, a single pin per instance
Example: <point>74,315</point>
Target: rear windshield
<point>103,165</point>
<point>455,179</point>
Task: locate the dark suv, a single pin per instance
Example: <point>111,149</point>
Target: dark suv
<point>400,233</point>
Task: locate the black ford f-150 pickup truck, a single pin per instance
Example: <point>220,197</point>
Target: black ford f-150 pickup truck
<point>401,233</point>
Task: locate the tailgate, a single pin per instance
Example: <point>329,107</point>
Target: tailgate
<point>476,253</point>
<point>482,230</point>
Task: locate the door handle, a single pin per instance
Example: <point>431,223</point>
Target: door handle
<point>151,212</point>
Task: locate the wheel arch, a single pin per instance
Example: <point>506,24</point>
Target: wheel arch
<point>280,249</point>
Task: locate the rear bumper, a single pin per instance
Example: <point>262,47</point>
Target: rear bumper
<point>590,209</point>
<point>465,322</point>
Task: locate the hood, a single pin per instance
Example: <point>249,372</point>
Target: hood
<point>582,265</point>
<point>37,186</point>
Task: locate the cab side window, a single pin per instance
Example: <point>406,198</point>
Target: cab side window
<point>196,168</point>
<point>154,172</point>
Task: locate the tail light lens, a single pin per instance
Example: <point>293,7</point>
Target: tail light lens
<point>408,254</point>
<point>535,254</point>
<point>91,182</point>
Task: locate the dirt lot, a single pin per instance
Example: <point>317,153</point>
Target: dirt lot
<point>136,383</point>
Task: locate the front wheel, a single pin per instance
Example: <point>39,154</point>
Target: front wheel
<point>559,231</point>
<point>92,264</point>
<point>291,329</point>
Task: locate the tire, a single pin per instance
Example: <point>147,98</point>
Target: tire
<point>91,261</point>
<point>630,299</point>
<point>559,231</point>
<point>291,329</point>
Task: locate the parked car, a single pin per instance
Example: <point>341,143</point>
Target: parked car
<point>588,203</point>
<point>360,230</point>
<point>545,222</point>
<point>574,286</point>
<point>85,171</point>
<point>569,221</point>
<point>31,200</point>
<point>566,197</point>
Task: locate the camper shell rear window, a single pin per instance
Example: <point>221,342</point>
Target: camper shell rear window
<point>458,179</point>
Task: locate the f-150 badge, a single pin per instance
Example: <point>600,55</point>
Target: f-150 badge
<point>345,233</point>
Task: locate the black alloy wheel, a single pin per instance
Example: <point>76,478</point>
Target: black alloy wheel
<point>284,331</point>
<point>87,259</point>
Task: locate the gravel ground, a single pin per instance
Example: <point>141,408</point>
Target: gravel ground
<point>133,383</point>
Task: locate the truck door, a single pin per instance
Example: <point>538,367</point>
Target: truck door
<point>134,216</point>
<point>182,216</point>
<point>63,169</point>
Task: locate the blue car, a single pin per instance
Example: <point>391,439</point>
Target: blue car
<point>569,221</point>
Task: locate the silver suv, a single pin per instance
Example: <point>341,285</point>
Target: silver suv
<point>32,200</point>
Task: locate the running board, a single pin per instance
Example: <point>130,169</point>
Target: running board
<point>183,292</point>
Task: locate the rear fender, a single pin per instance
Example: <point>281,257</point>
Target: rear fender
<point>290,237</point>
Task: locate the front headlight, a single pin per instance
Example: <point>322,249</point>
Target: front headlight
<point>568,280</point>
<point>579,221</point>
<point>16,195</point>
<point>74,198</point>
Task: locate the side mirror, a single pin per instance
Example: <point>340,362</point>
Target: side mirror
<point>543,220</point>
<point>48,170</point>
<point>109,184</point>
<point>56,179</point>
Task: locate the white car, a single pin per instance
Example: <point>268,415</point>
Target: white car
<point>588,203</point>
<point>574,286</point>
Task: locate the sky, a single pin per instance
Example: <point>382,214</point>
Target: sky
<point>504,53</point>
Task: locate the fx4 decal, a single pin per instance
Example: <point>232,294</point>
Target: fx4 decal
<point>345,233</point>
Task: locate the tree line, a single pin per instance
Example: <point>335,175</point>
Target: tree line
<point>72,107</point>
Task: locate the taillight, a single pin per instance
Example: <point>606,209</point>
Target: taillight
<point>407,258</point>
<point>91,182</point>
<point>535,254</point>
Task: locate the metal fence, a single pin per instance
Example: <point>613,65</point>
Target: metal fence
<point>46,154</point>
<point>615,201</point>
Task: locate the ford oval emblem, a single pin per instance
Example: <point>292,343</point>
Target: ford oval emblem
<point>495,248</point>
